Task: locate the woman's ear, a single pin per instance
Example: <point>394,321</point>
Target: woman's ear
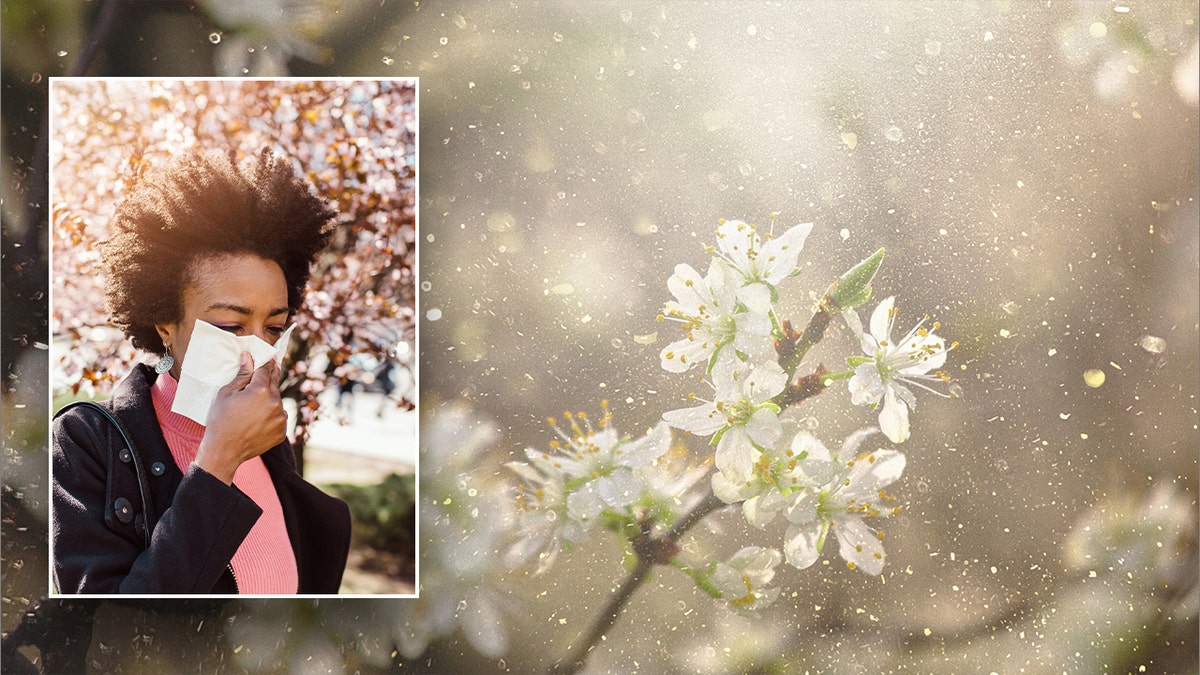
<point>167,332</point>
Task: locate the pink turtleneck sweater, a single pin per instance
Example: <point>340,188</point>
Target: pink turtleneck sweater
<point>265,562</point>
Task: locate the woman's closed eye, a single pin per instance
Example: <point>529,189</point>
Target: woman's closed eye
<point>271,332</point>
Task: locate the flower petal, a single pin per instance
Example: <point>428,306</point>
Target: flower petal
<point>688,287</point>
<point>643,451</point>
<point>619,489</point>
<point>681,355</point>
<point>893,417</point>
<point>817,466</point>
<point>740,581</point>
<point>757,563</point>
<point>731,492</point>
<point>701,420</point>
<point>929,353</point>
<point>483,626</point>
<point>761,510</point>
<point>869,345</point>
<point>804,442</point>
<point>763,427</point>
<point>778,255</point>
<point>860,545</point>
<point>756,296</point>
<point>727,374</point>
<point>752,335</point>
<point>879,470</point>
<point>803,507</point>
<point>736,455</point>
<point>525,471</point>
<point>800,544</point>
<point>584,503</point>
<point>866,388</point>
<point>765,381</point>
<point>735,238</point>
<point>881,319</point>
<point>722,286</point>
<point>849,449</point>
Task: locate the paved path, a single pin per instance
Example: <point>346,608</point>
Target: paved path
<point>361,445</point>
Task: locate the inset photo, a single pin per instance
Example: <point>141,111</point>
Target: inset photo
<point>233,337</point>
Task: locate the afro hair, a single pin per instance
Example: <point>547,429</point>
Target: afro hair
<point>199,205</point>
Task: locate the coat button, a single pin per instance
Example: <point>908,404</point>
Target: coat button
<point>157,468</point>
<point>123,509</point>
<point>125,455</point>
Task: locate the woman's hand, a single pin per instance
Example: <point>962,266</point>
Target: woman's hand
<point>246,419</point>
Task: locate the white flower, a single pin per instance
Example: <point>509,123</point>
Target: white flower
<point>542,524</point>
<point>591,471</point>
<point>891,365</point>
<point>777,474</point>
<point>760,264</point>
<point>667,487</point>
<point>611,472</point>
<point>466,516</point>
<point>1141,536</point>
<point>854,495</point>
<point>707,307</point>
<point>742,415</point>
<point>741,580</point>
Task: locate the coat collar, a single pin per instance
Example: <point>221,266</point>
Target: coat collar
<point>132,404</point>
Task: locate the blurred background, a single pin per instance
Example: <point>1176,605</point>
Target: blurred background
<point>1031,170</point>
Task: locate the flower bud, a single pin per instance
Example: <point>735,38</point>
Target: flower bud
<point>854,287</point>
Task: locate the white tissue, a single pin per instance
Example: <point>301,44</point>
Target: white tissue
<point>212,361</point>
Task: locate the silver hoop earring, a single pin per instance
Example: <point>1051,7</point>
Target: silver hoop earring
<point>164,364</point>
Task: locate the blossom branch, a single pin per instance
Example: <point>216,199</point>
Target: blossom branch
<point>792,349</point>
<point>810,336</point>
<point>649,553</point>
<point>804,388</point>
<point>847,291</point>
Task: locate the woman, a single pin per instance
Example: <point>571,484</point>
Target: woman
<point>148,501</point>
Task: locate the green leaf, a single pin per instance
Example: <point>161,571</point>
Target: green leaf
<point>854,287</point>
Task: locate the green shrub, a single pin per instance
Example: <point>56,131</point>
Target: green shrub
<point>384,514</point>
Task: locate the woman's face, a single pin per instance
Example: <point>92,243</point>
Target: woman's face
<point>237,292</point>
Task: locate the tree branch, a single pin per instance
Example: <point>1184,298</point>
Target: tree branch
<point>641,571</point>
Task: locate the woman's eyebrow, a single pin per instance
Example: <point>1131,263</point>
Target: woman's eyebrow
<point>244,310</point>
